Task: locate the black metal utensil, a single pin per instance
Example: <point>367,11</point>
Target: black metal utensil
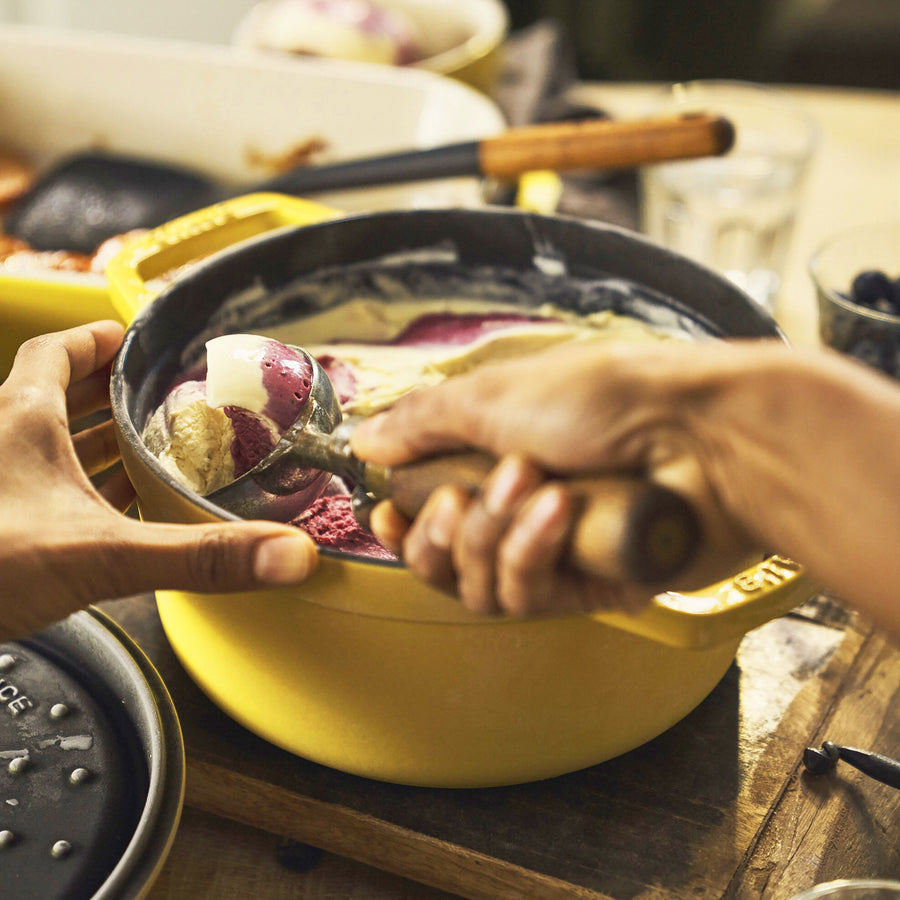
<point>824,761</point>
<point>90,197</point>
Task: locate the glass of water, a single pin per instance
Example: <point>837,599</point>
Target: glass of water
<point>734,213</point>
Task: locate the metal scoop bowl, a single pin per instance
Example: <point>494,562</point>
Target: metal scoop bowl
<point>627,528</point>
<point>283,484</point>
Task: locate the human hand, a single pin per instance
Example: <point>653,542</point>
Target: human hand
<point>515,545</point>
<point>65,543</point>
<point>502,549</point>
<point>790,450</point>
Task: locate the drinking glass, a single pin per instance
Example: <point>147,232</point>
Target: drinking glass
<point>734,213</point>
<point>853,889</point>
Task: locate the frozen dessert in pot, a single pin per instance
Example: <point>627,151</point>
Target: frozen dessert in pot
<point>374,352</point>
<point>359,30</point>
<point>212,428</point>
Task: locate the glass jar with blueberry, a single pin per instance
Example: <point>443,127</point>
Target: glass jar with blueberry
<point>857,280</point>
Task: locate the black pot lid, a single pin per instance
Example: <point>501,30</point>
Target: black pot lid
<point>91,764</point>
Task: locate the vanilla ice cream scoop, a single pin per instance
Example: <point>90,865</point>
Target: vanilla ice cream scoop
<point>208,433</point>
<point>191,439</point>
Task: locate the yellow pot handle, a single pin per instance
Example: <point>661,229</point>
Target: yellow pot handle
<point>139,271</point>
<point>724,611</point>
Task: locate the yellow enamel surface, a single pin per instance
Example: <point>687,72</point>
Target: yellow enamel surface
<point>442,705</point>
<point>53,302</point>
<point>136,274</point>
<point>364,669</point>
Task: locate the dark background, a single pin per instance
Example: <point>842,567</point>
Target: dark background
<point>850,43</point>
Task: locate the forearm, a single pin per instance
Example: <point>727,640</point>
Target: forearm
<point>804,450</point>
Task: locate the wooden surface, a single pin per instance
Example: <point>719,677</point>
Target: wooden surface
<point>716,807</point>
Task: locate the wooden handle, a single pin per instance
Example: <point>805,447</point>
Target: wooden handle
<point>604,144</point>
<point>627,529</point>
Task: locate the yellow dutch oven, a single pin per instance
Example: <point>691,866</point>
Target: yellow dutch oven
<point>51,302</point>
<point>362,667</point>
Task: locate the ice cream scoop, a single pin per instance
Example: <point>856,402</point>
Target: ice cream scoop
<point>627,529</point>
<point>212,429</point>
<point>268,389</point>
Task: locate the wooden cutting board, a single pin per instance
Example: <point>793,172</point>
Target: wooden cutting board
<point>679,816</point>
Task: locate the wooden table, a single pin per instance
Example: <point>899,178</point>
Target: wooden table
<point>718,806</point>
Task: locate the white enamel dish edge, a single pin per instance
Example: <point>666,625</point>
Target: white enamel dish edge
<point>211,107</point>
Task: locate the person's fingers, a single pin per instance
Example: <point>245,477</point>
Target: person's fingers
<point>123,557</point>
<point>389,525</point>
<point>65,357</point>
<point>427,544</point>
<point>533,578</point>
<point>117,489</point>
<point>205,558</point>
<point>502,551</point>
<point>486,520</point>
<point>88,395</point>
<point>96,447</point>
<point>420,423</point>
<point>107,336</point>
<point>529,555</point>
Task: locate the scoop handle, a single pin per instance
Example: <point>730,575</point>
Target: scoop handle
<point>627,528</point>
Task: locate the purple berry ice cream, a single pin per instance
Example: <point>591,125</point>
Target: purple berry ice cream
<point>209,432</point>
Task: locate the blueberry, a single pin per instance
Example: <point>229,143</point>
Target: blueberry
<point>870,287</point>
<point>868,351</point>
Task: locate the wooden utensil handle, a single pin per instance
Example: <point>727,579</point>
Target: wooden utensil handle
<point>627,528</point>
<point>604,144</point>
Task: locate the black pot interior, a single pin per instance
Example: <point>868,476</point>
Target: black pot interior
<point>498,255</point>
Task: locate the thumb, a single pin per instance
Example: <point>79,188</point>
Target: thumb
<point>131,558</point>
<point>216,558</point>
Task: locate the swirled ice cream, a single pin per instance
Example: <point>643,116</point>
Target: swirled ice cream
<point>214,427</point>
<point>375,352</point>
